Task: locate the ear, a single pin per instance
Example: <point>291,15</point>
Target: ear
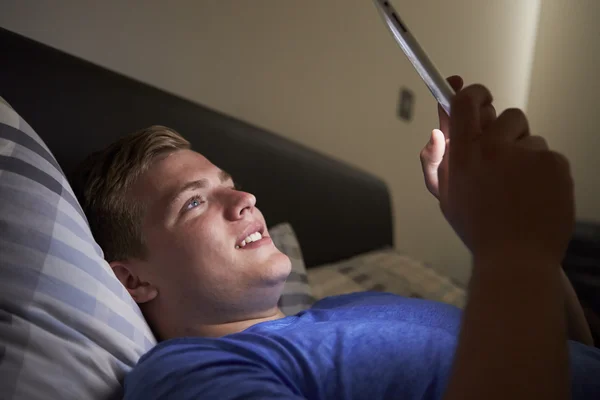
<point>142,292</point>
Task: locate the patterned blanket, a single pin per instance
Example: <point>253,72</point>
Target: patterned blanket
<point>384,271</point>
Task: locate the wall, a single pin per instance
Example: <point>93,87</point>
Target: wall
<point>563,103</point>
<point>325,73</point>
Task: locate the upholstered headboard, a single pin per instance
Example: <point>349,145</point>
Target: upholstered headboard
<point>77,107</point>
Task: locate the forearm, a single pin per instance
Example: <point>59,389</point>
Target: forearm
<point>577,326</point>
<point>512,343</point>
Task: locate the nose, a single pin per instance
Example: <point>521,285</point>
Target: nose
<point>239,203</point>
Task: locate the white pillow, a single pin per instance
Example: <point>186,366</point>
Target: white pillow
<point>68,328</point>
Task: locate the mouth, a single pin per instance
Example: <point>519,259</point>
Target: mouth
<point>254,236</point>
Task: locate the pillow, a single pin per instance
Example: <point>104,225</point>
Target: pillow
<point>68,328</point>
<point>297,295</point>
<point>384,270</point>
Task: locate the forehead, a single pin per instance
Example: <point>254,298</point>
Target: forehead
<point>180,160</point>
<point>169,172</point>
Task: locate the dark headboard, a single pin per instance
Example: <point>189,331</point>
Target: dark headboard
<point>77,107</point>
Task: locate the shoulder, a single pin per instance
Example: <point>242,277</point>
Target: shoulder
<point>380,300</point>
<point>192,352</point>
<point>172,358</point>
<point>200,367</point>
<point>357,298</point>
<point>376,305</point>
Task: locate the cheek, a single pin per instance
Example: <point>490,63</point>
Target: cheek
<point>195,245</point>
<point>209,243</point>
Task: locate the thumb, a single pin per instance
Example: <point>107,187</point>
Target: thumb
<point>435,148</point>
<point>431,158</point>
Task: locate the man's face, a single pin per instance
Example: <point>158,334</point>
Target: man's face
<point>208,249</point>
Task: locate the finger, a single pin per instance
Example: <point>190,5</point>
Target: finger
<point>465,123</point>
<point>534,143</point>
<point>558,165</point>
<point>511,126</point>
<point>456,82</point>
<point>562,163</point>
<point>488,116</point>
<point>431,157</point>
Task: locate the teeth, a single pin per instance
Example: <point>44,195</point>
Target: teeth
<point>251,238</point>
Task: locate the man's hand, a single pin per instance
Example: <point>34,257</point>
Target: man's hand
<point>433,162</point>
<point>504,187</point>
<point>432,155</point>
<point>510,199</point>
<point>435,169</point>
<point>506,182</point>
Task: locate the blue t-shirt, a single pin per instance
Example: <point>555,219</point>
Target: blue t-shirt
<point>358,346</point>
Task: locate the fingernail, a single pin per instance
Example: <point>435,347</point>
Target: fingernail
<point>431,138</point>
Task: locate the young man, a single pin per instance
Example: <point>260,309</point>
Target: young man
<point>194,252</point>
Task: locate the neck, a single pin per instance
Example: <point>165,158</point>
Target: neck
<point>218,330</point>
<point>168,329</point>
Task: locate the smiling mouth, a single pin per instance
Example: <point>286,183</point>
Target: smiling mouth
<point>251,238</point>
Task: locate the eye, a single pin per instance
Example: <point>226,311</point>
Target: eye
<point>192,203</point>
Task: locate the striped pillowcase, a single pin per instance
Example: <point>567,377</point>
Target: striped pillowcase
<point>297,294</point>
<point>68,328</point>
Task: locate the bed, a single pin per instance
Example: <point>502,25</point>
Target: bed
<point>68,330</point>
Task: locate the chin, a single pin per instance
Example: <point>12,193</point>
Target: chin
<point>278,268</point>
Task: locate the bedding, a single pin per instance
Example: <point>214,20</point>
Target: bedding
<point>68,329</point>
<point>297,294</point>
<point>384,270</point>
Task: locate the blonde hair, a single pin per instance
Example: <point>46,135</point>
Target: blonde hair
<point>103,184</point>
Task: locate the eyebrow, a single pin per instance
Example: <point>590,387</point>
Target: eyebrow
<point>194,185</point>
<point>224,176</point>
